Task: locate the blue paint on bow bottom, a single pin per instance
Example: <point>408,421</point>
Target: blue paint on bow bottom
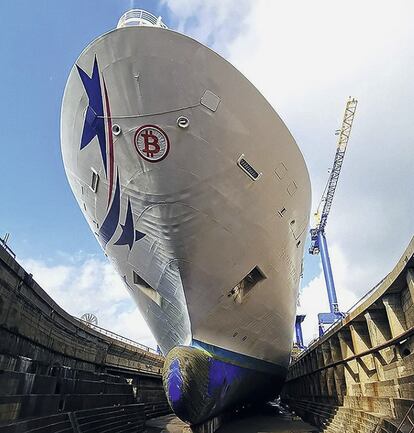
<point>222,375</point>
<point>199,384</point>
<point>175,382</point>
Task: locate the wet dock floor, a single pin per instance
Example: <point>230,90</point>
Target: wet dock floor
<point>262,422</point>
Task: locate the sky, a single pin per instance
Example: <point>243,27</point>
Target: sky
<point>305,57</point>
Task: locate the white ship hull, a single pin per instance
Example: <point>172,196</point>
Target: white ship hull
<point>211,255</point>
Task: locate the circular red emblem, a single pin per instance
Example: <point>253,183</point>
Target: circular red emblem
<point>152,143</point>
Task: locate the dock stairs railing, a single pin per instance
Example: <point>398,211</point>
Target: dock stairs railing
<point>407,422</point>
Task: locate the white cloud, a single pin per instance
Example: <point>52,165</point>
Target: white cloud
<point>91,285</point>
<point>214,22</point>
<point>307,58</point>
<point>131,324</point>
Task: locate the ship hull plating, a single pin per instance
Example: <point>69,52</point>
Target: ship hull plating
<point>200,198</point>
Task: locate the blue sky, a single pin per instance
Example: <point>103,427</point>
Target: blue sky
<point>39,42</point>
<point>301,55</point>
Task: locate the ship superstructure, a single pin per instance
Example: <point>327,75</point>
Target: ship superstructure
<point>200,197</point>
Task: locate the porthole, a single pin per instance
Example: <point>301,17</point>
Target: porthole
<point>116,129</point>
<point>183,122</point>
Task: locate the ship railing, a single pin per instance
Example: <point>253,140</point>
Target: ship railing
<point>140,17</point>
<point>118,337</point>
<point>3,243</point>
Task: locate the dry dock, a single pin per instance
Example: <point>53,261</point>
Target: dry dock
<point>58,375</point>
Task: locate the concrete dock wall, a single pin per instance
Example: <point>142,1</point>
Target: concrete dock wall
<point>360,374</point>
<point>34,326</point>
<point>51,363</point>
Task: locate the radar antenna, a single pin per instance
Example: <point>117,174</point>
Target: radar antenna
<point>89,319</point>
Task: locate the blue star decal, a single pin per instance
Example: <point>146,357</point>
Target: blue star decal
<point>127,236</point>
<point>110,223</point>
<point>94,118</point>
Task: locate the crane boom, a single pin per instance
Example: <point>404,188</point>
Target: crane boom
<point>329,192</point>
<point>318,238</point>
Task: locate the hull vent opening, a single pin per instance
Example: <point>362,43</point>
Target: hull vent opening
<point>282,212</point>
<point>247,168</point>
<point>140,281</point>
<point>146,288</point>
<point>240,291</point>
<point>94,180</point>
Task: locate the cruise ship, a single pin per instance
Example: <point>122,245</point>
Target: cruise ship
<point>200,198</point>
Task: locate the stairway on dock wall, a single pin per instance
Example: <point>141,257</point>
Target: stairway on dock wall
<point>114,419</point>
<point>65,400</point>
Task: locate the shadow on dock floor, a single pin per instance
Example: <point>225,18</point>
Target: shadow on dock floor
<point>265,420</point>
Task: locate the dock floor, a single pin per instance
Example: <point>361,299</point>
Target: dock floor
<point>267,422</point>
<point>166,423</point>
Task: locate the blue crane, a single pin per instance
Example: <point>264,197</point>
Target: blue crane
<point>318,237</point>
<point>298,330</point>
